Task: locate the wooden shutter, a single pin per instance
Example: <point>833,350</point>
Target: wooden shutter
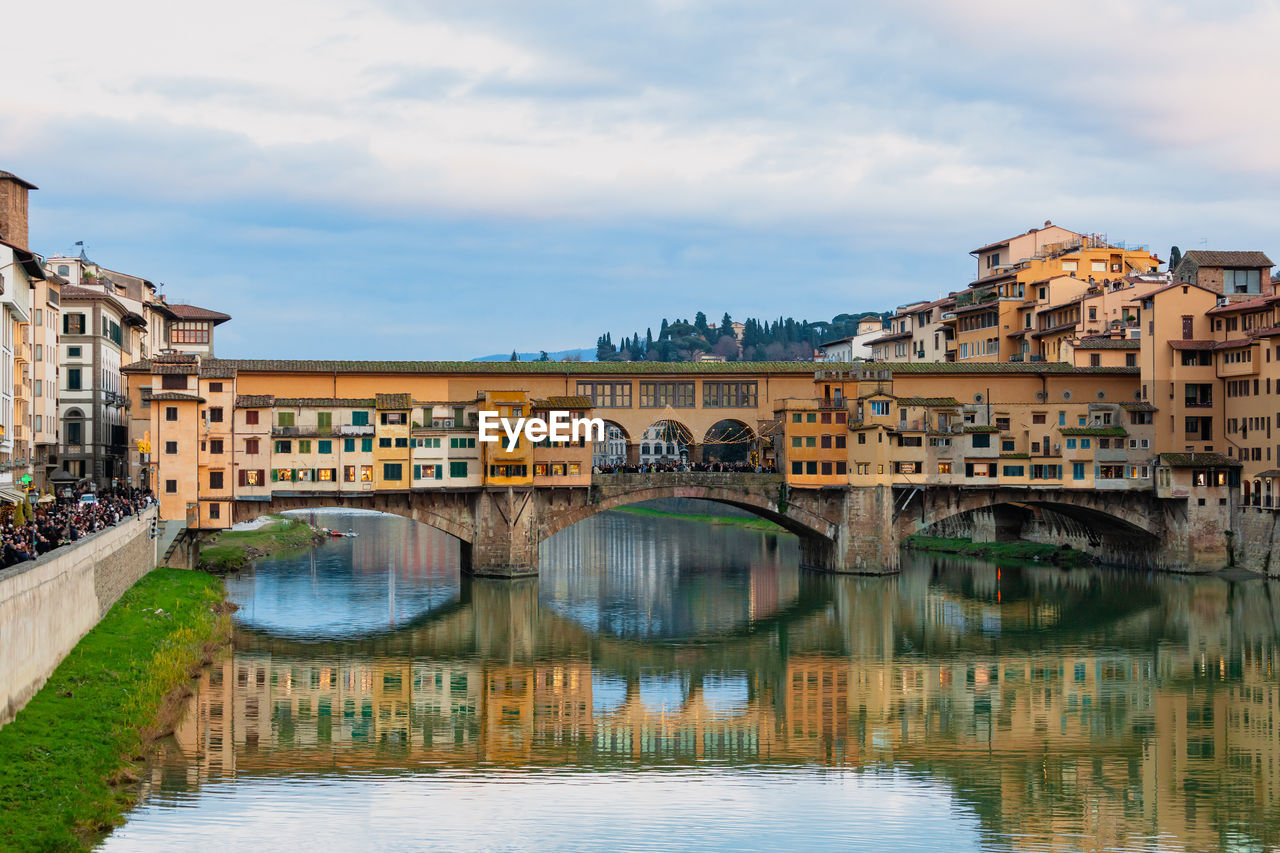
<point>244,479</point>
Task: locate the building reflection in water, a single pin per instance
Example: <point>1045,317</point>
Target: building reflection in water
<point>1081,709</point>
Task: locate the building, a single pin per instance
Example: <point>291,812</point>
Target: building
<point>917,332</point>
<point>855,347</point>
<point>20,275</point>
<point>1233,275</point>
<point>1030,293</point>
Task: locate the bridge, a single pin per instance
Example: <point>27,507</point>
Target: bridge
<point>856,530</point>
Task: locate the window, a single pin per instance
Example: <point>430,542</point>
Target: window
<point>607,395</point>
<point>284,419</point>
<point>457,469</point>
<point>215,387</point>
<point>366,445</point>
<point>251,417</point>
<point>1095,360</point>
<point>811,468</point>
<point>171,487</point>
<point>1013,471</point>
<point>73,324</point>
<point>944,467</point>
<point>981,439</point>
<point>170,413</point>
<point>215,445</point>
<point>189,333</point>
<point>796,441</point>
<point>215,415</point>
<point>349,473</point>
<point>39,423</point>
<point>384,442</point>
<point>73,352</point>
<point>359,418</point>
<point>1242,281</point>
<point>1037,417</point>
<point>1062,418</point>
<point>215,480</point>
<point>251,478</point>
<point>327,475</point>
<point>284,446</point>
<point>304,445</point>
<point>658,395</point>
<point>251,446</point>
<point>39,350</point>
<point>797,468</point>
<point>729,395</point>
<point>324,445</point>
<point>73,379</point>
<point>39,388</point>
<point>324,421</point>
<point>1130,359</point>
<point>392,471</point>
<point>796,418</point>
<point>1007,445</point>
<point>879,407</point>
<point>1077,470</point>
<point>171,448</point>
<point>402,442</point>
<point>393,418</point>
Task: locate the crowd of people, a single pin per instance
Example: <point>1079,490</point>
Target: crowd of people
<point>64,521</point>
<point>682,467</point>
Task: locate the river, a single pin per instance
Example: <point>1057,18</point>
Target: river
<point>672,685</point>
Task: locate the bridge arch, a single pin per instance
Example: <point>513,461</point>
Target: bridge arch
<point>794,519</point>
<point>451,513</point>
<point>1119,527</point>
<point>666,440</point>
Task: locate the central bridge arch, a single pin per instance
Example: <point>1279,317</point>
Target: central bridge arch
<point>449,512</point>
<point>761,495</point>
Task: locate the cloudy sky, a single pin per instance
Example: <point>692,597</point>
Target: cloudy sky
<point>410,179</point>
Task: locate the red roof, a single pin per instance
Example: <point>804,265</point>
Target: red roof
<point>1181,344</point>
<point>194,312</point>
<point>1246,305</point>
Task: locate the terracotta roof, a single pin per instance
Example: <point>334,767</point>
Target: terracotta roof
<point>1034,368</point>
<point>928,401</point>
<point>1103,431</point>
<point>254,401</point>
<point>12,177</point>
<point>884,339</point>
<point>1234,344</point>
<point>1198,460</point>
<point>981,429</point>
<point>508,368</point>
<point>1228,259</point>
<point>1181,344</point>
<point>216,371</point>
<point>312,402</point>
<point>179,369</point>
<point>1138,407</point>
<point>174,358</point>
<point>393,401</point>
<point>564,403</point>
<point>1246,305</point>
<point>1268,332</point>
<point>1270,472</point>
<point>1108,343</point>
<point>1174,284</point>
<point>194,312</point>
<point>75,291</point>
<point>176,396</point>
<point>1053,330</point>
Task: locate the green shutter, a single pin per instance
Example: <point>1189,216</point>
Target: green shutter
<point>275,475</point>
<point>294,474</point>
<point>439,471</point>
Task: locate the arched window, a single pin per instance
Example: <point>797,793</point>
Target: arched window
<point>64,270</point>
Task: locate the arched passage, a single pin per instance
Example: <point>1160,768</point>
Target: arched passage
<point>729,440</point>
<point>613,451</point>
<point>666,441</point>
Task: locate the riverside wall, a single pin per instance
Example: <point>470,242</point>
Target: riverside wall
<point>47,605</point>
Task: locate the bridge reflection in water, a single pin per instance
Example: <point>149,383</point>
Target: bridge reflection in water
<point>1081,709</point>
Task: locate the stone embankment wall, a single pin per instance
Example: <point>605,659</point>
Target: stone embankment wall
<point>1257,540</point>
<point>47,605</point>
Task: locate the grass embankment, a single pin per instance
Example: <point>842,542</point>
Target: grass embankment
<point>66,756</point>
<point>234,550</point>
<point>750,523</point>
<point>998,551</point>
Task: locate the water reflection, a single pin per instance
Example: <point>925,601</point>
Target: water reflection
<point>958,705</point>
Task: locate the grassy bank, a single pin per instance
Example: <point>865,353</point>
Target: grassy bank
<point>1020,551</point>
<point>66,757</point>
<point>749,523</point>
<point>233,550</point>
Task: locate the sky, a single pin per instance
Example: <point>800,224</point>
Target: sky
<point>410,179</point>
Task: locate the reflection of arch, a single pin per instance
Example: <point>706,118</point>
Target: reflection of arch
<point>728,440</point>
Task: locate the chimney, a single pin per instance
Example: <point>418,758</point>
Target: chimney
<point>13,209</point>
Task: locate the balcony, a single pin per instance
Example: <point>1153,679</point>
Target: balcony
<point>352,429</point>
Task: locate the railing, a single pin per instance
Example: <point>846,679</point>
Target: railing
<point>351,429</point>
<point>284,430</point>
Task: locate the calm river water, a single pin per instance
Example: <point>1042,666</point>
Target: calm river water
<point>671,685</point>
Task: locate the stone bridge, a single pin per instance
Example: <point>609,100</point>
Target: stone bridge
<point>850,530</point>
